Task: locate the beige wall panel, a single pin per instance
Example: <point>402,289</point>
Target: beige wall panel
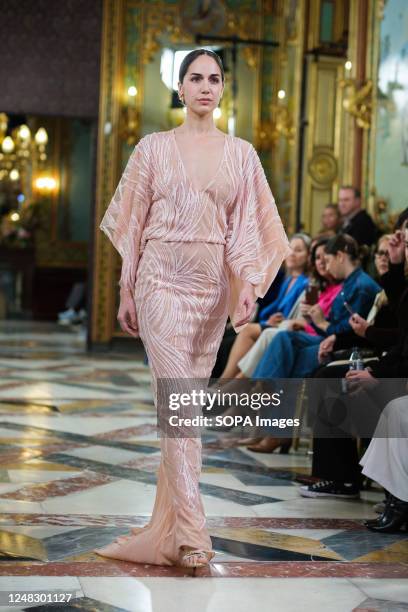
<point>325,107</point>
<point>319,197</point>
<point>323,142</point>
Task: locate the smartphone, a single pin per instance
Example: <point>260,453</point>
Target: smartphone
<point>312,295</point>
<point>348,308</point>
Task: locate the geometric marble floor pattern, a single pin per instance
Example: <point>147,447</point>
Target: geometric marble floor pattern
<point>78,460</point>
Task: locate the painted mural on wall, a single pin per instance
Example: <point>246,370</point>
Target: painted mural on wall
<point>391,171</point>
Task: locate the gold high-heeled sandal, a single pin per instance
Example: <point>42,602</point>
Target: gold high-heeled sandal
<point>187,558</point>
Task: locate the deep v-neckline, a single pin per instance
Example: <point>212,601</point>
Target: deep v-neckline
<point>185,170</point>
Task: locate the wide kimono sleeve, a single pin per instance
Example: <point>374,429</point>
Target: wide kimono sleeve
<point>125,217</point>
<point>256,242</point>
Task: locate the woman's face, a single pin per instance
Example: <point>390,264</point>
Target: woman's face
<point>320,262</point>
<point>297,260</point>
<point>202,85</point>
<point>335,265</point>
<point>330,219</point>
<point>382,259</point>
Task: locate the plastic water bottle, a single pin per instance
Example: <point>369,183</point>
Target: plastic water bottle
<point>356,361</point>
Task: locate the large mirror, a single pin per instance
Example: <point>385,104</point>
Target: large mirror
<point>46,207</point>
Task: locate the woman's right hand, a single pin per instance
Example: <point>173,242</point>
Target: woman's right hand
<point>275,319</point>
<point>305,309</point>
<point>297,325</point>
<point>359,325</point>
<point>396,247</point>
<point>127,316</point>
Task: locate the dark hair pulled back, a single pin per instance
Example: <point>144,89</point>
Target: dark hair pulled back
<point>345,244</point>
<point>193,55</point>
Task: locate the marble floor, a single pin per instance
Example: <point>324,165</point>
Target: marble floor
<point>79,454</point>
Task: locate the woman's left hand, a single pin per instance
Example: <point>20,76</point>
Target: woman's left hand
<point>246,305</point>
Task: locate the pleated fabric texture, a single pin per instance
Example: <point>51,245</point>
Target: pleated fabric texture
<point>186,253</point>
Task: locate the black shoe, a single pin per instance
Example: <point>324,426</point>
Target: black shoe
<point>393,519</point>
<point>330,488</point>
<point>380,507</point>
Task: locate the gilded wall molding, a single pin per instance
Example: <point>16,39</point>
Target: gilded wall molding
<point>372,59</point>
<point>355,91</point>
<point>380,8</point>
<point>358,101</point>
<point>107,168</point>
<point>280,125</point>
<point>277,133</point>
<point>323,167</point>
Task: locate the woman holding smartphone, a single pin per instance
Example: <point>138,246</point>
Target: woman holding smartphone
<point>294,354</point>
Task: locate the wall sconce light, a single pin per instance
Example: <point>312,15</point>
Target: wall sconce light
<point>131,117</point>
<point>41,140</point>
<point>45,184</point>
<point>7,146</point>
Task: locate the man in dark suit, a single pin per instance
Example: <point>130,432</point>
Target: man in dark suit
<point>356,221</point>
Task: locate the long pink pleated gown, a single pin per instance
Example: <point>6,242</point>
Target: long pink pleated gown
<point>186,253</point>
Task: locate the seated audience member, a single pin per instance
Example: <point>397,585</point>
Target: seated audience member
<point>356,222</point>
<point>272,293</point>
<point>295,283</point>
<point>286,301</point>
<point>400,222</point>
<point>330,220</point>
<point>386,462</point>
<point>379,331</point>
<point>335,459</point>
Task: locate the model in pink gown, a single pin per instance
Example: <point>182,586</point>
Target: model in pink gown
<point>186,253</point>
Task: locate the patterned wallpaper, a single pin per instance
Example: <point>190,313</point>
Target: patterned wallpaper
<point>49,57</point>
